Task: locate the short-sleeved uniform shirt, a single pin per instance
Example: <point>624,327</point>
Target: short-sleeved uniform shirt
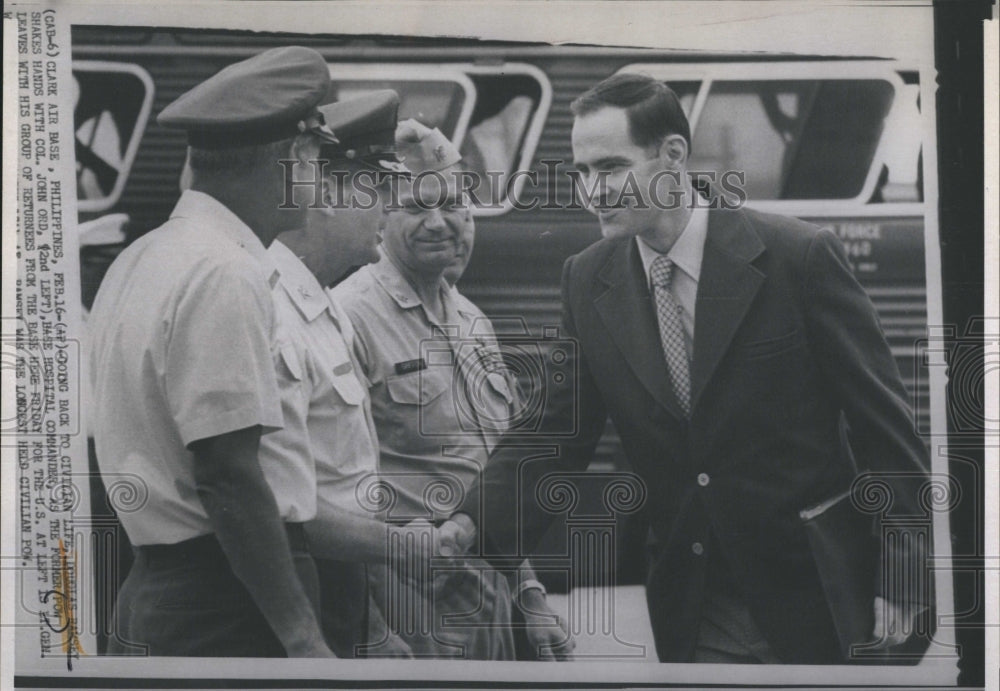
<point>441,395</point>
<point>328,445</point>
<point>182,329</point>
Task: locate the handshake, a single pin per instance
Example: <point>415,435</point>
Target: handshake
<point>451,539</point>
<point>455,536</point>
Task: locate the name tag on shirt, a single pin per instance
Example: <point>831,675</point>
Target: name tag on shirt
<point>410,366</point>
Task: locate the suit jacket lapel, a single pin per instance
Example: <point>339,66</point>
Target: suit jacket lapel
<point>627,312</point>
<point>726,288</point>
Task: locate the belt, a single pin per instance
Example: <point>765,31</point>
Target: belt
<point>207,547</point>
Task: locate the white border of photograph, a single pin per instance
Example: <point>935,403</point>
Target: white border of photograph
<point>823,28</point>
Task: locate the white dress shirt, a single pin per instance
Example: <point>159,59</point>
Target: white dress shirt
<point>686,254</point>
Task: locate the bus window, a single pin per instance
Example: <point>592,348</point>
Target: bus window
<point>493,113</point>
<point>495,140</point>
<point>806,135</point>
<point>801,139</point>
<point>111,103</point>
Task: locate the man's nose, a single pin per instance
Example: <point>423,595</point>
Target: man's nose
<point>434,220</point>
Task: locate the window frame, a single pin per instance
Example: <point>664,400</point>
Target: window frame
<point>138,131</point>
<point>709,72</point>
<point>459,72</point>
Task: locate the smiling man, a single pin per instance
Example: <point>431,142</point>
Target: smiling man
<point>441,399</point>
<point>729,348</point>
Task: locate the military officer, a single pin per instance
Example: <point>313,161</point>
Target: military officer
<point>184,381</point>
<point>328,446</point>
<point>441,398</point>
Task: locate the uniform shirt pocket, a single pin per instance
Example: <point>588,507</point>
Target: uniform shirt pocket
<point>288,362</point>
<point>345,381</point>
<point>417,388</point>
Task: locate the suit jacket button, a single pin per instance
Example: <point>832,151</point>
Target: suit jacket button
<point>703,479</point>
<point>698,548</point>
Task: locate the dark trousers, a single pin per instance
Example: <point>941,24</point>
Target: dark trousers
<point>343,598</point>
<point>184,600</point>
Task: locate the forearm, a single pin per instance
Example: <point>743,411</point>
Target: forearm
<point>506,504</point>
<point>247,524</point>
<point>339,534</point>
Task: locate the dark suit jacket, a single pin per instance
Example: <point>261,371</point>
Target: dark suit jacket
<point>786,345</point>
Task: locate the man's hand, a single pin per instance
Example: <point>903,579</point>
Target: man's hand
<point>893,623</point>
<point>455,536</point>
<point>547,632</point>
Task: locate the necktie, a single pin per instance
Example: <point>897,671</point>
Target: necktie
<point>671,331</point>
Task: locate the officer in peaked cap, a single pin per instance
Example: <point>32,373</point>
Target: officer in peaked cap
<point>328,445</point>
<point>358,155</point>
<point>365,131</point>
<point>222,566</point>
<point>270,97</point>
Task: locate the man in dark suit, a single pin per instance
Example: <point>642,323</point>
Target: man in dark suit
<point>729,348</point>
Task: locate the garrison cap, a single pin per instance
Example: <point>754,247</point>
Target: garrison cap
<point>424,149</point>
<point>365,128</point>
<point>266,98</point>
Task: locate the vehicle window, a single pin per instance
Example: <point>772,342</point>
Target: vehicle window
<point>493,114</point>
<point>494,143</point>
<point>794,139</point>
<point>111,104</point>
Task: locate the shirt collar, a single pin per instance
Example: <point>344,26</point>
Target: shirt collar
<point>298,282</point>
<point>689,249</point>
<point>462,304</point>
<point>196,205</point>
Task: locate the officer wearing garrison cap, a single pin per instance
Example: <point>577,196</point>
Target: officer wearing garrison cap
<point>328,444</point>
<point>184,379</point>
<point>432,362</point>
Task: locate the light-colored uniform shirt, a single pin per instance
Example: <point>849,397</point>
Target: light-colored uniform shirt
<point>328,445</point>
<point>441,394</point>
<point>686,254</point>
<point>182,331</point>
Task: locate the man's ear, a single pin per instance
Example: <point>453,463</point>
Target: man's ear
<point>305,148</point>
<point>674,150</point>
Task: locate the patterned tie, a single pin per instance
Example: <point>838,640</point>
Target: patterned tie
<point>671,331</point>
